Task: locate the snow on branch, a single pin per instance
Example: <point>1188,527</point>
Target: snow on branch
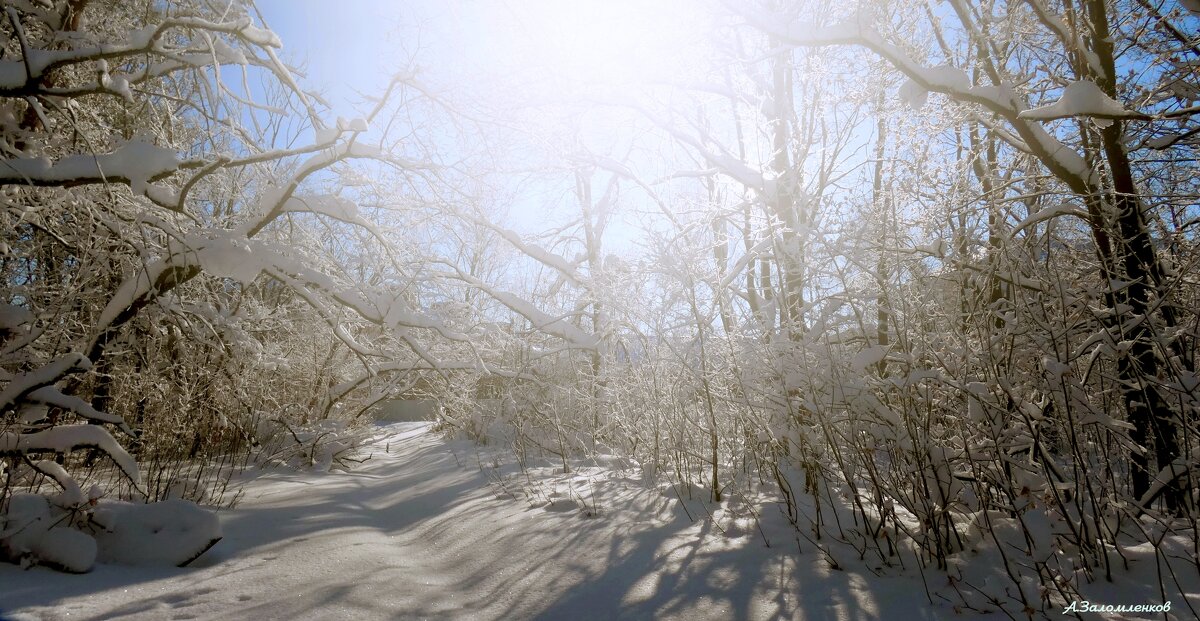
<point>625,172</point>
<point>136,163</point>
<point>23,77</point>
<point>1166,476</point>
<point>72,495</point>
<point>1082,98</point>
<point>226,253</point>
<point>67,438</point>
<point>22,384</point>
<point>541,255</point>
<point>392,312</point>
<point>277,201</point>
<point>721,159</point>
<point>1069,36</point>
<point>1062,160</point>
<point>402,368</point>
<point>49,395</point>
<point>397,314</point>
<point>337,207</point>
<point>542,321</point>
<point>761,249</point>
<point>13,317</point>
<point>1041,215</point>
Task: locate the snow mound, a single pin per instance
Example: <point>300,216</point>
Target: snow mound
<point>66,549</point>
<point>171,532</point>
<point>27,518</point>
<point>30,536</point>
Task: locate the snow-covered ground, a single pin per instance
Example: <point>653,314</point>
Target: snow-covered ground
<point>431,529</point>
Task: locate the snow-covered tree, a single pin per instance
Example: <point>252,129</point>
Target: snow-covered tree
<point>158,201</point>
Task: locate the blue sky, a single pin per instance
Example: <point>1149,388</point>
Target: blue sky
<point>359,44</point>
<point>351,44</point>
<point>485,48</point>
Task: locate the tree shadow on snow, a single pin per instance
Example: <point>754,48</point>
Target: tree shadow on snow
<point>418,533</point>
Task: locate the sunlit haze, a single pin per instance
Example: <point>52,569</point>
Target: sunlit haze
<point>581,45</point>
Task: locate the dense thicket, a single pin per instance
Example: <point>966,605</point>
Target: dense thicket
<point>933,260</point>
<point>183,260</point>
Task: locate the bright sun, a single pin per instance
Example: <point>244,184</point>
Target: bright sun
<point>602,43</point>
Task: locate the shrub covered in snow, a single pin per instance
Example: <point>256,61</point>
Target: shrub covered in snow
<point>325,445</point>
<point>31,535</point>
<point>37,530</point>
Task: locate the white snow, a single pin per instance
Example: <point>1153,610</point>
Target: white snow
<point>936,248</point>
<point>118,84</point>
<point>170,533</point>
<point>66,438</point>
<point>913,94</point>
<point>260,36</point>
<point>1041,215</point>
<point>868,357</point>
<point>60,535</point>
<point>1167,140</point>
<point>28,517</point>
<point>858,30</point>
<point>946,77</point>
<point>1055,368</point>
<point>226,53</point>
<point>760,249</point>
<point>65,548</point>
<point>559,326</point>
<point>540,254</point>
<point>229,257</point>
<point>71,495</point>
<point>326,134</point>
<point>417,533</point>
<point>1082,98</point>
<point>33,535</point>
<point>32,413</point>
<point>430,529</point>
<point>136,162</point>
<point>12,74</point>
<point>23,383</point>
<point>52,396</point>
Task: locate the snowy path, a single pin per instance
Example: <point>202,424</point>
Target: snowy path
<point>417,533</point>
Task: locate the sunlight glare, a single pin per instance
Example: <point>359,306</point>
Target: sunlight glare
<point>606,43</point>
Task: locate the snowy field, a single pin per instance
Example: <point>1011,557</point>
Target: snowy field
<point>435,529</point>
